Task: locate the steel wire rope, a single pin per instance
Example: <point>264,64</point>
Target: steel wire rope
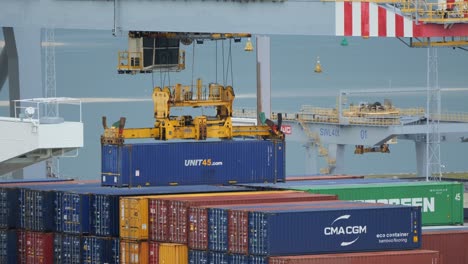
<point>216,62</point>
<point>193,62</point>
<point>229,65</point>
<point>224,77</point>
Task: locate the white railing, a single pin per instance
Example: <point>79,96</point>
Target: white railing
<point>38,110</point>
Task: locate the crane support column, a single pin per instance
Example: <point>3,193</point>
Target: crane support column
<point>23,53</point>
<point>3,68</point>
<point>336,153</point>
<point>263,77</point>
<point>311,166</point>
<point>421,157</point>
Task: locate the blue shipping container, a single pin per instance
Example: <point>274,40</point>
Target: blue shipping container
<point>8,246</point>
<point>198,257</point>
<point>76,213</point>
<point>218,258</point>
<point>99,250</point>
<point>323,230</point>
<point>105,221</point>
<point>218,226</point>
<point>58,248</point>
<point>37,210</point>
<point>259,260</point>
<point>190,163</point>
<point>218,220</point>
<point>105,203</point>
<point>8,207</point>
<point>67,248</point>
<point>57,211</point>
<point>238,259</point>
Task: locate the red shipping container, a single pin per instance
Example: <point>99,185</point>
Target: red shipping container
<point>35,247</point>
<point>452,244</point>
<point>169,218</point>
<point>237,225</point>
<point>158,223</point>
<point>153,252</point>
<point>387,257</point>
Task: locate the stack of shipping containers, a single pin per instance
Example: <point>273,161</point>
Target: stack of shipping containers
<point>155,229</point>
<point>302,222</point>
<point>441,204</point>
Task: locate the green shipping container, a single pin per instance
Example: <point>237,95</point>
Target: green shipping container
<point>441,202</point>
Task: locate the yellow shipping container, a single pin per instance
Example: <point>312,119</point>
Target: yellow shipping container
<point>173,253</point>
<point>134,211</point>
<point>133,252</point>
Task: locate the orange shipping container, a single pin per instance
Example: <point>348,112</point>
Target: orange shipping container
<point>134,212</point>
<point>133,252</point>
<point>173,253</point>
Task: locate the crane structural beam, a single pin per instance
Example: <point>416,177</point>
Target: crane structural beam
<point>289,17</point>
<point>368,19</point>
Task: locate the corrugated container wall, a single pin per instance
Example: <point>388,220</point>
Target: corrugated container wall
<point>441,202</point>
<point>218,258</point>
<point>228,228</point>
<point>198,257</point>
<point>389,257</point>
<point>341,229</point>
<point>8,207</point>
<point>76,213</point>
<point>99,250</point>
<point>35,247</point>
<point>199,221</point>
<point>451,244</point>
<point>171,253</point>
<point>133,252</point>
<point>178,210</point>
<point>8,249</point>
<point>189,163</point>
<point>105,221</point>
<point>134,218</point>
<point>37,209</point>
<point>153,252</point>
<point>67,248</point>
<point>238,259</point>
<point>260,260</point>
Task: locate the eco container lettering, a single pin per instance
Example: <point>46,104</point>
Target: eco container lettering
<point>345,228</point>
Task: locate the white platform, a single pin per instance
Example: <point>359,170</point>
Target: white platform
<point>25,141</point>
